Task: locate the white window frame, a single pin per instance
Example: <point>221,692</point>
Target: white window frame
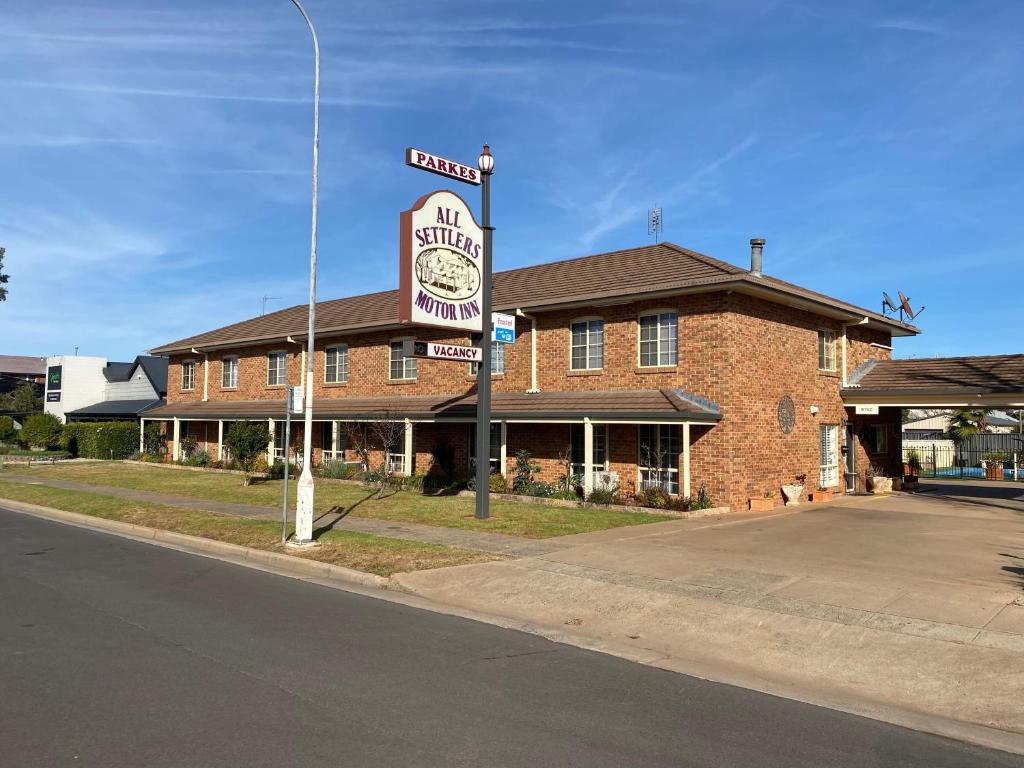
<point>827,341</point>
<point>828,455</point>
<point>879,439</point>
<point>340,370</point>
<point>334,449</point>
<point>283,368</point>
<point>672,360</point>
<point>588,343</point>
<point>497,429</point>
<point>229,363</point>
<point>407,362</point>
<point>188,365</point>
<point>668,475</point>
<point>497,359</point>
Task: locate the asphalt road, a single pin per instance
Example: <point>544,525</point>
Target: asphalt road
<point>116,653</point>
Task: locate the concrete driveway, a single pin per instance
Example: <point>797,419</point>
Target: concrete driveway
<point>906,604</point>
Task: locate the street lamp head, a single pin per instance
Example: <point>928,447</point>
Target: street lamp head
<point>486,161</point>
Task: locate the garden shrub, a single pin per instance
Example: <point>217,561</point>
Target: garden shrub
<point>152,458</point>
<point>523,473</point>
<point>198,457</point>
<point>603,496</point>
<point>339,470</point>
<point>187,445</point>
<point>42,430</point>
<point>101,440</point>
<point>498,483</point>
<point>655,497</point>
<point>540,490</point>
<point>246,442</point>
<point>8,433</point>
<point>154,441</point>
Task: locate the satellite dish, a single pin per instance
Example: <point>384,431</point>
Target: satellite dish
<point>905,305</point>
<point>888,303</point>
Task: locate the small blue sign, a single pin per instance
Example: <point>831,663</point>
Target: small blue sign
<point>505,335</point>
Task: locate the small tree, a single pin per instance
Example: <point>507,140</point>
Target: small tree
<point>8,433</point>
<point>247,440</point>
<point>42,430</point>
<point>153,440</point>
<point>524,473</point>
<point>22,400</point>
<point>388,433</point>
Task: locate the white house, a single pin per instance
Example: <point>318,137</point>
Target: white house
<point>91,389</point>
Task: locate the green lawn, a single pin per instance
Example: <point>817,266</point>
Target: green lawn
<point>535,521</point>
<point>372,554</point>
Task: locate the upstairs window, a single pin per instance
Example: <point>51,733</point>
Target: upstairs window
<point>402,367</point>
<point>276,364</point>
<point>587,345</point>
<point>229,372</point>
<point>826,350</point>
<point>659,339</point>
<point>336,370</point>
<point>188,374</point>
<point>497,357</point>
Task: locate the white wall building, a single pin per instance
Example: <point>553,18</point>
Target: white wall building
<point>90,388</point>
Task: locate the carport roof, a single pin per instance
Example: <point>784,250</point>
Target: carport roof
<point>981,381</point>
<point>649,405</point>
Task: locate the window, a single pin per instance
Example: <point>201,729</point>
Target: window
<point>336,370</point>
<point>659,457</point>
<point>495,454</point>
<point>396,454</point>
<point>276,364</point>
<point>402,367</point>
<point>188,374</point>
<point>586,345</point>
<point>497,358</point>
<point>333,441</point>
<point>229,372</point>
<point>828,440</point>
<point>876,438</point>
<point>826,350</point>
<point>278,442</point>
<point>659,339</point>
<point>600,448</point>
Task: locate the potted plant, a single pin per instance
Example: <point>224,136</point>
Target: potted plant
<point>878,482</point>
<point>911,470</point>
<point>821,495</point>
<point>792,493</point>
<point>763,504</point>
<point>993,462</point>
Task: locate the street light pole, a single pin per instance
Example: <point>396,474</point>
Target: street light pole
<point>483,375</point>
<point>304,488</point>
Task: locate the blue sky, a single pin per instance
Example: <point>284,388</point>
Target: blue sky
<point>155,156</point>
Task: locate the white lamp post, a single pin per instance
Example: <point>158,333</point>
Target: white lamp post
<point>304,488</point>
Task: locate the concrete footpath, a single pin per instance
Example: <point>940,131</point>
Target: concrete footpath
<point>905,604</point>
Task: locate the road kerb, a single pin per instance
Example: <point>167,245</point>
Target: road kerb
<point>235,553</point>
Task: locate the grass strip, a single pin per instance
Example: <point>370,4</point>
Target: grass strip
<point>364,552</point>
<point>532,521</point>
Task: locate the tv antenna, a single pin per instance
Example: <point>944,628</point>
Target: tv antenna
<point>265,299</point>
<point>654,222</point>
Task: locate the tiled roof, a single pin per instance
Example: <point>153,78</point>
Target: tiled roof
<point>651,269</point>
<point>982,374</point>
<point>115,408</point>
<point>624,405</point>
<point>23,365</point>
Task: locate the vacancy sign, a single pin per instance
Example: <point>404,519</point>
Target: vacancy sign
<point>425,161</point>
<point>438,351</point>
<point>440,247</point>
<point>503,328</point>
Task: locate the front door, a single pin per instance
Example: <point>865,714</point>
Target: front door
<point>851,460</point>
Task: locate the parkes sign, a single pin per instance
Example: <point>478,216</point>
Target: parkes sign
<point>441,250</point>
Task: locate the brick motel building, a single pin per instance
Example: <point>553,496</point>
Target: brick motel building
<point>672,367</point>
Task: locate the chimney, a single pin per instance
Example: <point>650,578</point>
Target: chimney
<point>756,248</point>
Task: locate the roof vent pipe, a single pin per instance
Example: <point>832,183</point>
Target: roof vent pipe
<point>756,249</point>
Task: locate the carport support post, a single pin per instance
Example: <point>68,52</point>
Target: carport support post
<point>220,439</point>
<point>270,445</point>
<point>588,457</point>
<point>176,453</point>
<point>407,449</point>
<point>142,436</point>
<point>686,459</point>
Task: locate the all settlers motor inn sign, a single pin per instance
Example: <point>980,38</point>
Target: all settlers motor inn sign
<point>441,248</point>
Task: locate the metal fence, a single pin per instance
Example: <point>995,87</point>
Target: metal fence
<point>991,456</point>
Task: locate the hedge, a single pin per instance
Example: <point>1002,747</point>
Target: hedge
<point>101,440</point>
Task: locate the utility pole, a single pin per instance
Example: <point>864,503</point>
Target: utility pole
<point>483,376</point>
<point>304,492</point>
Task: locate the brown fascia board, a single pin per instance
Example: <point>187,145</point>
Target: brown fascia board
<point>740,283</point>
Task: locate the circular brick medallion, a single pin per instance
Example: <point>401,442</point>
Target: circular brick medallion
<point>787,414</point>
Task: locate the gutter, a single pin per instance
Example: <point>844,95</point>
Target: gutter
<point>206,372</point>
<point>843,340</point>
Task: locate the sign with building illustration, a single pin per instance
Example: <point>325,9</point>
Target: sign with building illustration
<point>441,247</point>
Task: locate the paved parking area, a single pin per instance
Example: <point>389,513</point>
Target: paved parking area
<point>912,600</point>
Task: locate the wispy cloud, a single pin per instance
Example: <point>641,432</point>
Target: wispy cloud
<point>71,142</point>
<point>910,25</point>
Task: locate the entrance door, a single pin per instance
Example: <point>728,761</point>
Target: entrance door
<point>851,460</point>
